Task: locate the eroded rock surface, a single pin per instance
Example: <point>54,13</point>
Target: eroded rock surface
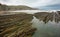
<point>47,16</point>
<point>16,25</point>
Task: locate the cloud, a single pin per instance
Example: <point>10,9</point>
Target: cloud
<point>18,2</point>
<point>32,3</point>
<point>46,2</point>
<point>51,7</point>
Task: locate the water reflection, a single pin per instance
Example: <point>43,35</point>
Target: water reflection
<point>50,29</point>
<point>47,24</point>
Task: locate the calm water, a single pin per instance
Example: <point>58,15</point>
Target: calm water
<point>50,29</point>
<point>25,11</point>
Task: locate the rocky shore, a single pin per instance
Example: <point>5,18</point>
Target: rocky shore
<point>16,25</point>
<point>47,16</point>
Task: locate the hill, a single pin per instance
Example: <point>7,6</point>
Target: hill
<point>18,7</point>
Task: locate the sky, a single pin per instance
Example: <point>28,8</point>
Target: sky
<point>34,3</point>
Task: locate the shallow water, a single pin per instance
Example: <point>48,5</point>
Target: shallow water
<point>49,29</point>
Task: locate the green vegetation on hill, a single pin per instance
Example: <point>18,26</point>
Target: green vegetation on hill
<point>18,7</point>
<point>3,7</point>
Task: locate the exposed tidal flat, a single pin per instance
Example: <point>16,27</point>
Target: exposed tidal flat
<point>16,25</point>
<point>30,24</point>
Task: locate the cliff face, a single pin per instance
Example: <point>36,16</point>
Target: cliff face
<point>16,25</point>
<point>19,7</point>
<point>47,16</point>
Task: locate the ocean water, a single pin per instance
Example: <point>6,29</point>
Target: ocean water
<point>27,11</point>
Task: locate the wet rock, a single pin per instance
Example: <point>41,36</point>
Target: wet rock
<point>47,16</point>
<point>16,25</point>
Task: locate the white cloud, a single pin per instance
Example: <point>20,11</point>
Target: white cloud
<point>32,3</point>
<point>46,2</point>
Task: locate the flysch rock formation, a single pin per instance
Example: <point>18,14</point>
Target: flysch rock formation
<point>47,16</point>
<point>16,25</point>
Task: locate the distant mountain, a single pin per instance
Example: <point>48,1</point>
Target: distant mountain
<point>51,7</point>
<point>19,7</point>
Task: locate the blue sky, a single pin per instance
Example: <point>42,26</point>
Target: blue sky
<point>51,7</point>
<point>44,4</point>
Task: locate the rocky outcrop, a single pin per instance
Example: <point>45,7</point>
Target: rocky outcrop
<point>47,16</point>
<point>16,25</point>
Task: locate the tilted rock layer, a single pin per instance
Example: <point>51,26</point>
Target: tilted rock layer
<point>16,25</point>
